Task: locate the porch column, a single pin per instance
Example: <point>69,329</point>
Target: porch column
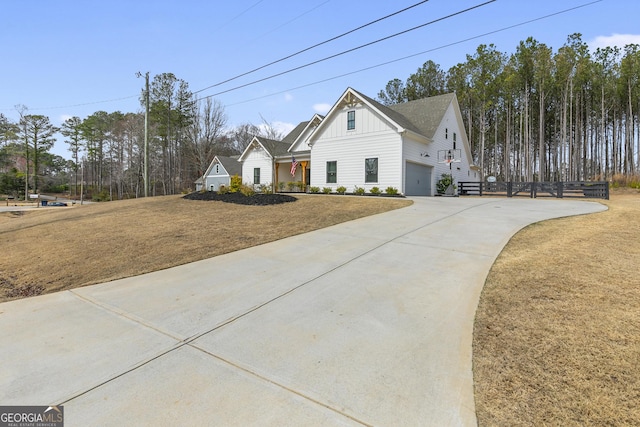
<point>275,184</point>
<point>304,175</point>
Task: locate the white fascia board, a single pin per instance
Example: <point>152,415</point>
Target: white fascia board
<point>415,136</point>
<point>206,173</point>
<point>361,99</point>
<point>304,131</point>
<point>253,142</point>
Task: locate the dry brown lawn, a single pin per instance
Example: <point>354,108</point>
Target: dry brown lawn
<point>557,332</point>
<point>48,250</point>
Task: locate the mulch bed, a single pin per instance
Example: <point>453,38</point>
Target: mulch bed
<point>258,199</point>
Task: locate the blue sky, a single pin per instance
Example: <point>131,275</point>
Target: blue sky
<point>66,58</point>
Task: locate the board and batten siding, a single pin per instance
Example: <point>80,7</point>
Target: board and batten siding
<point>371,138</point>
<point>443,140</point>
<point>257,158</point>
<point>427,154</point>
<point>415,152</point>
<point>213,181</point>
<point>303,140</point>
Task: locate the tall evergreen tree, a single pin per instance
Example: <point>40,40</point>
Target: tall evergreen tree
<point>71,129</point>
<point>38,134</point>
<point>171,112</point>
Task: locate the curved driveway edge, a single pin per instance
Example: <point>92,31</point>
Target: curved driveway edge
<point>368,322</point>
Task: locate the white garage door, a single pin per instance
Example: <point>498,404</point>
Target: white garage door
<point>418,179</point>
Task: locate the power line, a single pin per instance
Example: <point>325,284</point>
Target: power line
<point>345,74</point>
<point>347,51</point>
<point>76,105</point>
<point>293,19</point>
<point>251,71</point>
<point>312,47</point>
<point>238,15</point>
<point>416,54</point>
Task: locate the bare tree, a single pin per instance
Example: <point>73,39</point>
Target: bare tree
<point>243,134</point>
<point>269,131</point>
<point>205,135</point>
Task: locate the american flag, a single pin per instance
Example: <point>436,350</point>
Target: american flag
<point>294,165</point>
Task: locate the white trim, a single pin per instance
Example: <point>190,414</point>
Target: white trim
<point>317,118</point>
<point>252,145</point>
<point>361,100</point>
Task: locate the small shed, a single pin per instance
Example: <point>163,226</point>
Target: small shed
<point>219,173</point>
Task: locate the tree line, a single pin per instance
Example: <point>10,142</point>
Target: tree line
<point>541,115</point>
<point>107,149</point>
<point>531,115</point>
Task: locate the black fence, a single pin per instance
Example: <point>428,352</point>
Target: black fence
<point>559,189</point>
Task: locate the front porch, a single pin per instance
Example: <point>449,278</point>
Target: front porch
<point>298,182</point>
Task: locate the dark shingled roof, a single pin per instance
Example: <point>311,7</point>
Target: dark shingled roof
<point>291,136</point>
<point>275,148</point>
<point>231,164</point>
<point>421,116</point>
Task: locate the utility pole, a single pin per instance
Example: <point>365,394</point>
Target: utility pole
<point>146,132</point>
<point>82,183</point>
<point>21,109</point>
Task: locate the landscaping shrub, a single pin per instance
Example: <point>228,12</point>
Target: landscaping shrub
<point>391,191</point>
<point>341,190</point>
<point>314,190</point>
<point>326,190</point>
<point>358,190</point>
<point>235,184</point>
<point>375,191</point>
<point>266,189</point>
<point>247,190</point>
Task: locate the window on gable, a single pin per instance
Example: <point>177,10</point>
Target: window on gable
<point>332,172</point>
<point>256,175</point>
<point>371,170</point>
<point>454,140</point>
<point>351,120</point>
<point>446,133</point>
<point>217,169</point>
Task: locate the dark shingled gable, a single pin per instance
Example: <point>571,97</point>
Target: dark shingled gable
<point>275,148</point>
<point>291,136</point>
<point>427,113</point>
<point>231,164</point>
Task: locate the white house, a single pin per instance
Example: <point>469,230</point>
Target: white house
<point>219,173</point>
<point>262,160</point>
<point>362,143</point>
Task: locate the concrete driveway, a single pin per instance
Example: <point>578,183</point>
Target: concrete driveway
<point>365,323</point>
